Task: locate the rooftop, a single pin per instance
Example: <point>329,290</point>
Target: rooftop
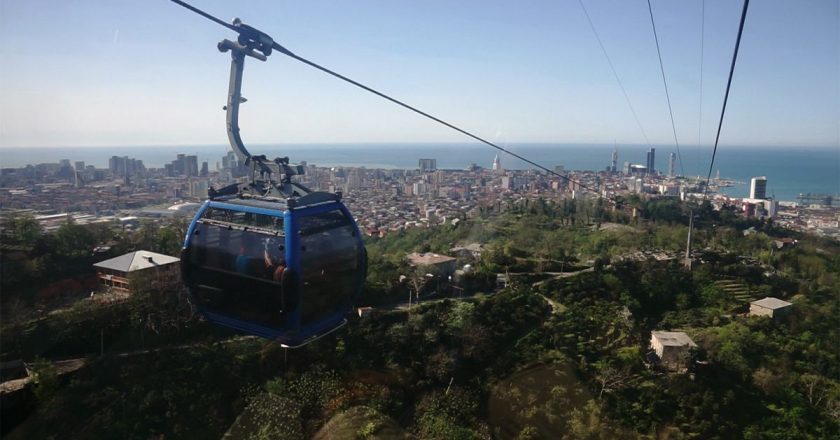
<point>427,259</point>
<point>673,339</point>
<point>137,260</point>
<point>771,303</point>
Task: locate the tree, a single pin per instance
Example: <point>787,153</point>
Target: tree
<point>21,229</point>
<point>610,378</point>
<point>589,424</point>
<point>169,241</point>
<point>74,240</point>
<point>45,378</point>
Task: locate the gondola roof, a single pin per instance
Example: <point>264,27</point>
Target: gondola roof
<point>277,203</point>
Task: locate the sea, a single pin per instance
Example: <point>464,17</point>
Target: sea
<point>789,170</point>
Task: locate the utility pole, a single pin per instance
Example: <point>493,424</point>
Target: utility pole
<point>688,241</point>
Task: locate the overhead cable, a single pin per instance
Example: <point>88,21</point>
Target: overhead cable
<point>726,96</point>
<point>290,54</point>
<point>615,73</point>
<point>665,83</point>
<point>702,44</point>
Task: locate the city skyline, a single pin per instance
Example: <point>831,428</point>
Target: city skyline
<point>149,74</point>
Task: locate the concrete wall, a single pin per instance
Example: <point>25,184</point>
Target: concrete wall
<point>756,310</point>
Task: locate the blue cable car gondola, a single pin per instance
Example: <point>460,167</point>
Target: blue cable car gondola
<point>270,257</point>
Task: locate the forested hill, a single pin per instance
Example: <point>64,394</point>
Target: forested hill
<point>547,335</point>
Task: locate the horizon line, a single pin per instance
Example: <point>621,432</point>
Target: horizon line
<point>433,143</point>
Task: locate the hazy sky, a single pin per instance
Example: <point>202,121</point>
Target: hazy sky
<point>127,72</point>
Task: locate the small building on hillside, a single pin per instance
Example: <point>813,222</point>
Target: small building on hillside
<point>784,242</point>
<point>672,348</point>
<point>444,265</point>
<point>364,311</point>
<point>471,251</point>
<point>772,307</point>
<point>115,272</point>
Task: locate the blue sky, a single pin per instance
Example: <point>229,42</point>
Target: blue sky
<point>124,72</point>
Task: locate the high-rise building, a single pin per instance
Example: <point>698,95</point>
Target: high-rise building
<point>179,165</point>
<point>191,166</point>
<point>758,188</point>
<point>80,165</point>
<point>497,165</point>
<point>116,165</point>
<point>614,165</point>
<point>230,163</point>
<point>427,165</point>
<point>772,207</point>
<point>124,166</point>
<point>420,188</point>
<point>205,169</point>
<point>651,161</point>
<point>354,181</point>
<point>507,182</point>
<point>198,188</point>
<point>229,160</point>
<point>672,160</point>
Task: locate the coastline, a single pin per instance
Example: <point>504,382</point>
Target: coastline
<point>790,170</point>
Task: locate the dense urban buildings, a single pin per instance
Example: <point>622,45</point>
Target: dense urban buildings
<point>383,200</point>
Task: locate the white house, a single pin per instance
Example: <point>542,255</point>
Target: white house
<point>671,347</point>
<point>772,307</point>
<point>115,272</point>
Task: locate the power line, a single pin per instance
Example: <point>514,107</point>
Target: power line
<point>726,96</point>
<point>612,68</point>
<point>665,83</point>
<point>288,53</point>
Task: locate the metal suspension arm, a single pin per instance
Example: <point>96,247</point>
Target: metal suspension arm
<point>234,98</point>
<point>255,44</point>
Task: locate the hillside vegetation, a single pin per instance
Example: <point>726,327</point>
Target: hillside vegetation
<point>558,353</point>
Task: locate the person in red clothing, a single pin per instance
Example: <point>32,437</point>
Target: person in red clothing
<point>274,264</point>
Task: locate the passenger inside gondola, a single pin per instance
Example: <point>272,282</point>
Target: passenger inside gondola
<point>246,262</point>
<point>274,261</point>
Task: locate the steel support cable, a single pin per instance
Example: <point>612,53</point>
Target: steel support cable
<point>290,54</point>
<point>665,83</point>
<point>206,15</point>
<point>433,118</point>
<point>614,72</point>
<point>726,95</point>
<point>702,51</point>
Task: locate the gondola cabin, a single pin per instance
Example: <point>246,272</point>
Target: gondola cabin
<point>287,270</point>
<point>270,257</point>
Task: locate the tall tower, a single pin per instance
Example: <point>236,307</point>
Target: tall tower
<point>614,166</point>
<point>497,165</point>
<point>651,161</point>
<point>672,159</point>
<point>758,188</point>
